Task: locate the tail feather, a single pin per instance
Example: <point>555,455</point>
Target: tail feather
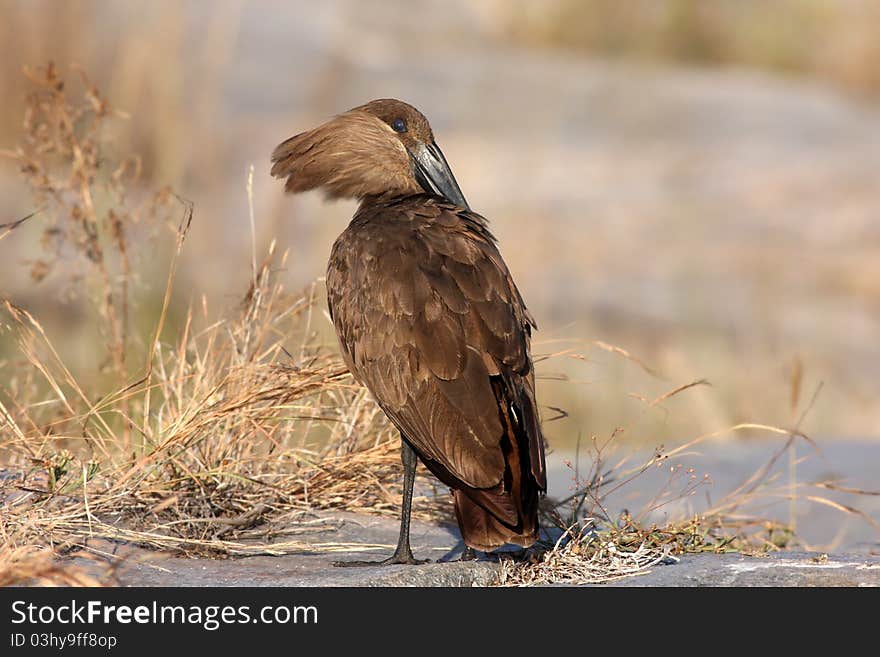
<point>508,512</point>
<point>483,531</point>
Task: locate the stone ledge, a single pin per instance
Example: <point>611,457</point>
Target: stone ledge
<point>139,567</point>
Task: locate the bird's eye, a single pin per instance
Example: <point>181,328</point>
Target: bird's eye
<point>398,125</point>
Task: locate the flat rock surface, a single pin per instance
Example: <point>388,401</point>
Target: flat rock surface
<point>350,537</point>
<point>779,569</point>
<point>347,537</point>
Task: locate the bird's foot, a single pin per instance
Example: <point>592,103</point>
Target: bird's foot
<point>469,554</point>
<point>398,558</point>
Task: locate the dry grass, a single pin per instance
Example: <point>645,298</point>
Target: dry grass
<point>37,566</point>
<point>595,546</point>
<point>239,421</point>
<point>232,432</point>
<point>218,434</point>
<point>134,51</point>
<point>585,558</point>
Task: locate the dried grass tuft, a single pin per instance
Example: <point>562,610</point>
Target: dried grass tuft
<point>583,558</point>
<point>31,565</point>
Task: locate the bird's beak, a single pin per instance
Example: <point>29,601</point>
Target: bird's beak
<point>434,175</point>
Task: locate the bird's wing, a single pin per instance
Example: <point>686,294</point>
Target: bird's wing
<point>428,317</point>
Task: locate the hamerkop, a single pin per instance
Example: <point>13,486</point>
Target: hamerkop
<point>428,318</point>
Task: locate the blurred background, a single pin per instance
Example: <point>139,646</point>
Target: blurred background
<point>696,182</point>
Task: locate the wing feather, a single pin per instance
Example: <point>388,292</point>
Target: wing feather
<point>427,316</point>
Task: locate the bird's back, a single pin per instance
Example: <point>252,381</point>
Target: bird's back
<point>429,319</point>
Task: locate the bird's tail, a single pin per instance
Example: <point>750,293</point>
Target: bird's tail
<point>508,512</point>
<point>483,531</point>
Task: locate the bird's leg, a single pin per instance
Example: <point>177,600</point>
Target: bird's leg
<point>403,553</point>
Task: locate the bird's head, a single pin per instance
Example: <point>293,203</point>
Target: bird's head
<point>382,149</point>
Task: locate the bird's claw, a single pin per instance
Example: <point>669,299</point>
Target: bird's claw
<point>395,559</point>
<point>469,554</point>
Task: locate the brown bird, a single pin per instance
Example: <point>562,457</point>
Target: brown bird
<point>428,318</point>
